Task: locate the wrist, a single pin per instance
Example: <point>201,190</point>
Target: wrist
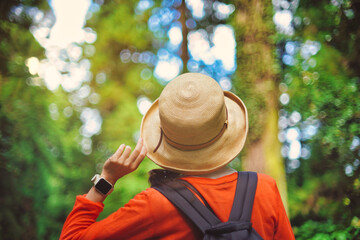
<point>108,178</point>
<point>95,196</point>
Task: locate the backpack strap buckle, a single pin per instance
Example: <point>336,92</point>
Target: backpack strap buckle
<point>230,226</point>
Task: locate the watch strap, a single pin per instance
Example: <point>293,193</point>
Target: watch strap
<point>95,179</point>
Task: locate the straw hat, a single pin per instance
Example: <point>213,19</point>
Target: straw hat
<point>194,127</point>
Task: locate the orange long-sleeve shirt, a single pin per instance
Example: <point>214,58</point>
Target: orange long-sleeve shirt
<point>149,215</point>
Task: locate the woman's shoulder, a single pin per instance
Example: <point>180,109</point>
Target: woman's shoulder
<point>149,194</point>
<point>154,197</point>
<point>266,186</point>
<point>267,179</point>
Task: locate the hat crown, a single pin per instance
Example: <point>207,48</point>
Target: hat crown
<point>192,109</point>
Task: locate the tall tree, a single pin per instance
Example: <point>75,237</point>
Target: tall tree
<point>184,54</point>
<point>256,81</point>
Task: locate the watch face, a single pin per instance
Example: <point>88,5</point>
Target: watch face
<point>103,186</point>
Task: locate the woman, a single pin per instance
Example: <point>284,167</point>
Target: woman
<point>193,131</point>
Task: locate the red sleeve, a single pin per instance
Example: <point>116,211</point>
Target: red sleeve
<point>127,222</point>
<point>283,228</point>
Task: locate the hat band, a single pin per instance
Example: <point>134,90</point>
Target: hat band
<point>192,147</point>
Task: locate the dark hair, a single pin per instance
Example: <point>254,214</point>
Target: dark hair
<point>160,176</point>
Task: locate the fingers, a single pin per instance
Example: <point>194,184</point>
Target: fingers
<point>140,157</point>
<point>126,153</point>
<point>120,154</point>
<point>119,151</point>
<point>123,161</point>
<point>136,151</point>
<point>134,159</point>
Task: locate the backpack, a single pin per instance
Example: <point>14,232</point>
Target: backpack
<point>238,227</point>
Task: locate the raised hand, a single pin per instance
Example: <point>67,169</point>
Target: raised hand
<point>122,162</point>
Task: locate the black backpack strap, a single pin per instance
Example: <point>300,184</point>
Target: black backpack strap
<point>205,220</point>
<point>190,205</point>
<point>244,197</point>
<point>192,188</point>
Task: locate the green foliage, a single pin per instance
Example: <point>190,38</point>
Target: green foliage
<point>328,93</point>
<point>117,26</point>
<point>313,230</point>
<point>38,158</point>
<point>39,153</point>
<point>324,89</point>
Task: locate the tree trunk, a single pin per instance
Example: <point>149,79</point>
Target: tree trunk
<point>184,53</point>
<point>256,82</point>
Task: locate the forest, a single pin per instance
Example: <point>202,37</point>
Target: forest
<point>76,77</point>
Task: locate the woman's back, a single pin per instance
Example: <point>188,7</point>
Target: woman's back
<point>151,216</point>
<point>268,211</point>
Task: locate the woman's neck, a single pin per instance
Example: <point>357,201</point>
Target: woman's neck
<point>218,173</point>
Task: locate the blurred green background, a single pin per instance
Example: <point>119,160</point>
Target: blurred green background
<point>77,76</point>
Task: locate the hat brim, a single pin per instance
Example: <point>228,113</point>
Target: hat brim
<point>204,160</point>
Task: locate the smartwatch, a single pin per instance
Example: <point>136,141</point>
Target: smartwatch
<point>102,185</point>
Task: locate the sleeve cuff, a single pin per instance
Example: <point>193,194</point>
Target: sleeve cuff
<point>81,199</point>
